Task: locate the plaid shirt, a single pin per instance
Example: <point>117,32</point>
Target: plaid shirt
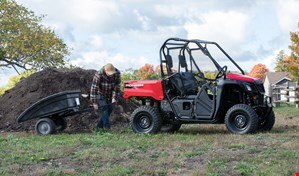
<point>109,86</point>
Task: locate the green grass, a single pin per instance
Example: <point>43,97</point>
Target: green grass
<point>194,150</point>
<point>289,111</point>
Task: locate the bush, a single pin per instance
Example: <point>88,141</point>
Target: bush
<point>13,80</point>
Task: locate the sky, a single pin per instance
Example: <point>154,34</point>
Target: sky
<point>129,33</point>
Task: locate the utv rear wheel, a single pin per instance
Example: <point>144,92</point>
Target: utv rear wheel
<point>268,122</point>
<point>171,127</point>
<point>241,119</point>
<point>145,119</point>
<point>45,126</point>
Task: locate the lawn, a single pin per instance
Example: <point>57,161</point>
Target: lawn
<point>194,150</point>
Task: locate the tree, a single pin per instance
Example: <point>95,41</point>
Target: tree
<point>164,67</point>
<point>13,80</point>
<point>158,69</point>
<point>292,64</point>
<point>258,71</point>
<point>128,74</point>
<point>25,43</point>
<point>146,72</point>
<point>281,65</point>
<point>292,61</point>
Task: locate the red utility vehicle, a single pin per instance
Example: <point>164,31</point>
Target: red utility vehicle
<point>202,85</point>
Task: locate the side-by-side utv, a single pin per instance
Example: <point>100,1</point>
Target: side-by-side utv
<point>200,83</point>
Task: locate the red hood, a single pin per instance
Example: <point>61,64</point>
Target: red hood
<point>240,77</point>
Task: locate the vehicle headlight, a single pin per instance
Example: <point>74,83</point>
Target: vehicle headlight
<point>248,87</point>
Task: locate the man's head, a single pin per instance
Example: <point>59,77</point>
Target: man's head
<point>109,69</point>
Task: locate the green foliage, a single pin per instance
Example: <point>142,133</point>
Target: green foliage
<point>147,72</point>
<point>244,168</point>
<point>293,60</point>
<point>210,74</point>
<point>2,90</point>
<point>280,64</point>
<point>25,43</point>
<point>290,63</point>
<point>13,80</point>
<point>127,75</point>
<point>287,110</point>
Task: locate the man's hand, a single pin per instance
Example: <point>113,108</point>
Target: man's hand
<point>95,106</point>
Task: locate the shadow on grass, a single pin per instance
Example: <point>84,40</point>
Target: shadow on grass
<point>285,129</point>
<point>187,129</point>
<point>220,129</point>
<point>203,129</point>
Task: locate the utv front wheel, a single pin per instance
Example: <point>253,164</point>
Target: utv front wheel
<point>268,122</point>
<point>145,119</point>
<point>241,119</point>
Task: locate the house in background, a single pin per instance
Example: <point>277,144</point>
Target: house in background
<point>273,79</point>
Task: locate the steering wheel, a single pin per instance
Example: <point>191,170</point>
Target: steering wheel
<point>200,75</point>
<point>202,80</point>
<point>221,72</point>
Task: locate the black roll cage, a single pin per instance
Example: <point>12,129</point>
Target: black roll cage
<point>182,45</point>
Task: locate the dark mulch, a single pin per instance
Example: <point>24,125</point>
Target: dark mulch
<point>47,82</point>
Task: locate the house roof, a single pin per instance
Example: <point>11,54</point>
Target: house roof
<point>275,77</point>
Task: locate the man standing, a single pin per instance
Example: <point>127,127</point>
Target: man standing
<point>105,88</point>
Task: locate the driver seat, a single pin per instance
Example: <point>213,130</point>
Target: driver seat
<point>184,83</point>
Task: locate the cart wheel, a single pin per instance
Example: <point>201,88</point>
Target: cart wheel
<point>45,126</point>
<point>60,123</point>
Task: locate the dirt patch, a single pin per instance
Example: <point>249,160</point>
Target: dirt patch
<point>47,82</point>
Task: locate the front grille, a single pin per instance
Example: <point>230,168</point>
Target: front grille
<point>260,87</point>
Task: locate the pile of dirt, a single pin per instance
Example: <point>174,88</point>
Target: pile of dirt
<point>47,82</point>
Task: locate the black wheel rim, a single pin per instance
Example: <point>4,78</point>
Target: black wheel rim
<point>44,128</point>
<point>239,121</point>
<point>143,122</point>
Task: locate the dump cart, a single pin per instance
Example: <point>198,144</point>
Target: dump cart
<point>52,110</point>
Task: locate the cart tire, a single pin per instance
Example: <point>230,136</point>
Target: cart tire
<point>60,123</point>
<point>45,126</point>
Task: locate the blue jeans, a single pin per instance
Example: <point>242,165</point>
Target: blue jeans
<point>106,109</point>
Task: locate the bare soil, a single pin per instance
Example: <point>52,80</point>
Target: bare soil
<point>47,82</point>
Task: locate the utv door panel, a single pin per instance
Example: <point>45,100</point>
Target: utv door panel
<point>183,108</point>
<point>205,103</point>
